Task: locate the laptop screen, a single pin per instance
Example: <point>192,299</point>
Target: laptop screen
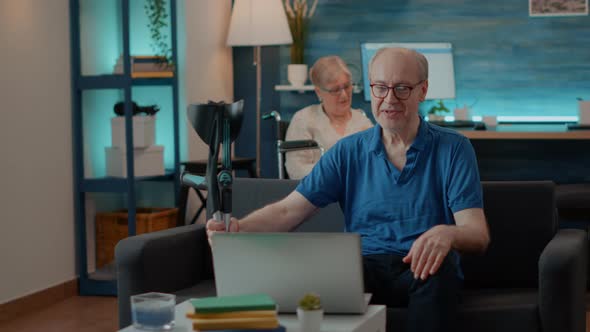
<point>288,265</point>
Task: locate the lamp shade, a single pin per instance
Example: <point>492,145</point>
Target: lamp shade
<point>258,23</point>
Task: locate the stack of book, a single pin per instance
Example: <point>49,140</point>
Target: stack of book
<point>146,66</point>
<point>256,312</point>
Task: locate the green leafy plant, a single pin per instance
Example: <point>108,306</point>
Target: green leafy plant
<point>156,11</point>
<point>310,301</point>
<point>438,109</point>
<point>298,16</point>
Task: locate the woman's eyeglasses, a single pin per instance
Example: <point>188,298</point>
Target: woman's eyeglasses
<point>400,91</point>
<point>338,90</point>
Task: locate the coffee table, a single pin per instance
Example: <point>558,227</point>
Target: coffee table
<point>372,321</point>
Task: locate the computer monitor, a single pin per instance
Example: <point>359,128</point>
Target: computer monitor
<point>441,77</point>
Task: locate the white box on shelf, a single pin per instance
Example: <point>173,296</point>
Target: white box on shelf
<point>144,131</point>
<point>462,113</point>
<point>584,112</point>
<point>148,161</point>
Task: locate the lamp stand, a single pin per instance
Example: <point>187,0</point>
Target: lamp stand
<point>258,65</point>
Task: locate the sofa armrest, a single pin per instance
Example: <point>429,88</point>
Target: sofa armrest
<point>164,261</point>
<point>562,282</point>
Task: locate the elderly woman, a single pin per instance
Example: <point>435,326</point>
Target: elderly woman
<point>328,121</point>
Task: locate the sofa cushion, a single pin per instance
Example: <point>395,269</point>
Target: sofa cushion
<point>251,194</point>
<point>573,196</point>
<point>522,220</point>
<point>506,310</point>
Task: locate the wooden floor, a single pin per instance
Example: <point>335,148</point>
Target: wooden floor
<point>84,314</point>
<point>75,314</point>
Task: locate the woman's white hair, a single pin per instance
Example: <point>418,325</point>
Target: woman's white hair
<point>326,69</point>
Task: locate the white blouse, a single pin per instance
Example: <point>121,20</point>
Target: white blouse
<point>312,123</point>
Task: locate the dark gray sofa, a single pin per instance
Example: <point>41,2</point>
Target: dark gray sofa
<point>532,278</point>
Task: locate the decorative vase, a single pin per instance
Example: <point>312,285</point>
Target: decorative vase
<point>297,74</point>
<point>310,320</point>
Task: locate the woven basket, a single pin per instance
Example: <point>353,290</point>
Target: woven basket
<point>112,227</point>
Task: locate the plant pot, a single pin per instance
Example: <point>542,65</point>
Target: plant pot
<point>310,320</point>
<point>433,117</point>
<point>462,113</point>
<point>297,74</point>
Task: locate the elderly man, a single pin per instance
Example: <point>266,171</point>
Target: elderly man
<point>409,188</point>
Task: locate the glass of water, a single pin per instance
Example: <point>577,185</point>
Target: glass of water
<point>153,311</point>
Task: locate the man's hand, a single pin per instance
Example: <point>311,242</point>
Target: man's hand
<point>429,251</point>
<point>218,226</point>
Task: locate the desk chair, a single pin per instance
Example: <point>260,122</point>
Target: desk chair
<point>288,146</point>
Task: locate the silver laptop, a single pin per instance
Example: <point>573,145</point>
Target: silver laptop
<point>288,265</point>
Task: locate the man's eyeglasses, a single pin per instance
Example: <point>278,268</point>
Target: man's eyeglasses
<point>338,90</point>
<point>400,91</point>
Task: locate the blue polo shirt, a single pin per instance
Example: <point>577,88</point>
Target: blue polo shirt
<point>391,208</point>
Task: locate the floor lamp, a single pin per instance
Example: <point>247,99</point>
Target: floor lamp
<point>258,23</point>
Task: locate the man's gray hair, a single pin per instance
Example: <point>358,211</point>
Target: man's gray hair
<point>419,57</point>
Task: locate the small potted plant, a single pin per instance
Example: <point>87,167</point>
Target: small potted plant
<point>299,13</point>
<point>437,111</point>
<point>310,313</point>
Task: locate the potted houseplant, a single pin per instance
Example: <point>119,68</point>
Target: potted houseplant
<point>157,14</point>
<point>299,14</point>
<point>310,313</point>
<point>437,111</point>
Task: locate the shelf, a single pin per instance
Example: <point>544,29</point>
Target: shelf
<point>102,82</point>
<point>528,132</point>
<point>152,81</point>
<point>305,88</point>
<point>119,82</point>
<point>119,185</point>
<point>300,89</point>
<point>106,184</point>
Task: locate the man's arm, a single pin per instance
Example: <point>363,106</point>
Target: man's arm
<point>471,231</point>
<point>281,216</point>
<point>469,234</point>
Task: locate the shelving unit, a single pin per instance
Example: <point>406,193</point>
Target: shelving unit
<point>305,88</point>
<point>103,281</point>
